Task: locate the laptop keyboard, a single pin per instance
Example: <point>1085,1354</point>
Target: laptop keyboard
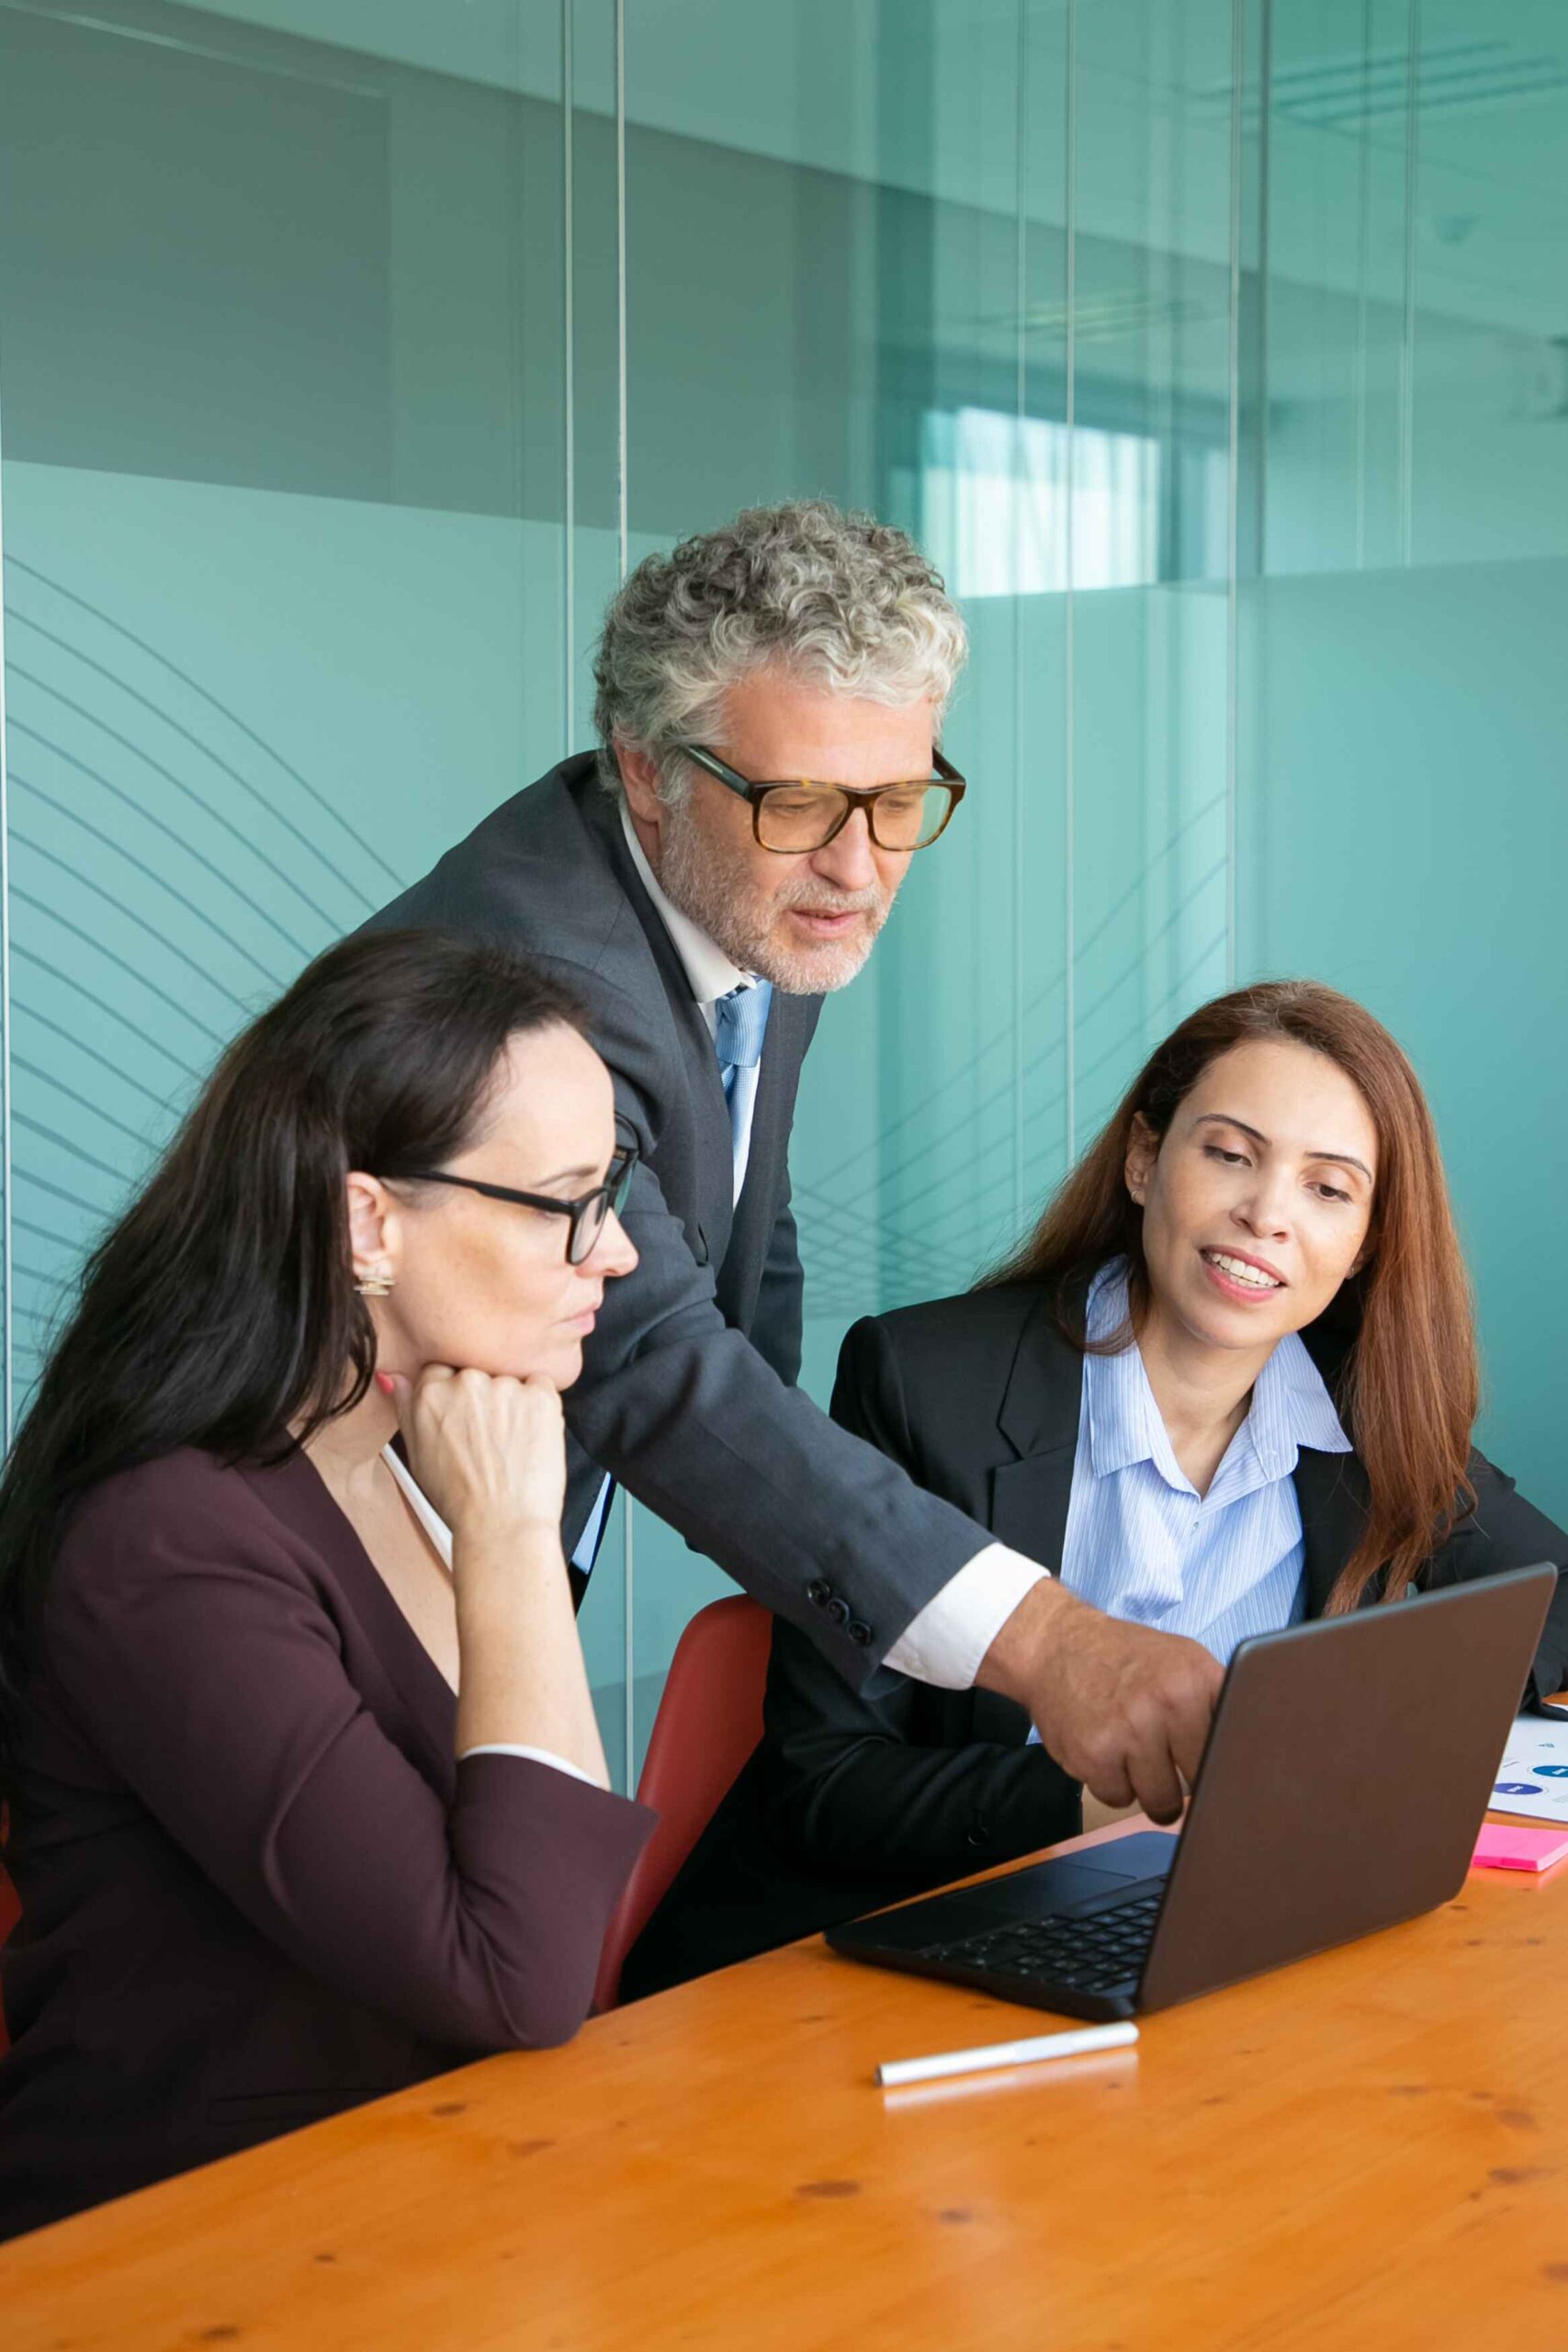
<point>1092,1952</point>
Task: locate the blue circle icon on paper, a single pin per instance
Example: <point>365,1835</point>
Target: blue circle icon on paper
<point>1516,1789</point>
<point>1551,1771</point>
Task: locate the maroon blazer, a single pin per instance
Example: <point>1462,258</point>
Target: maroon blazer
<point>256,1888</point>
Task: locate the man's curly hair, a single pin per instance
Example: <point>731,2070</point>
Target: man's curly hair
<point>837,599</point>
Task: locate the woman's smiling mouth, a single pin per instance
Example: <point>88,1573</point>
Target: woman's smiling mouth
<point>1241,1276</point>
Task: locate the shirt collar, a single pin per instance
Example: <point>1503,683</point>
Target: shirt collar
<point>1291,1406</point>
<point>709,972</point>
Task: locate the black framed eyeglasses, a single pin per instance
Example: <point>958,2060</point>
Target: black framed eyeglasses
<point>799,814</point>
<point>587,1213</point>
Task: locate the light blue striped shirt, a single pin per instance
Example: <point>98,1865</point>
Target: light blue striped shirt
<point>1143,1544</point>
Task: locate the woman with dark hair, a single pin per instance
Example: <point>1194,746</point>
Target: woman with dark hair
<point>1228,1382</point>
<point>307,1799</point>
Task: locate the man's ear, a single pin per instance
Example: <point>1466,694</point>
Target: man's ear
<point>639,778</point>
<point>1143,1151</point>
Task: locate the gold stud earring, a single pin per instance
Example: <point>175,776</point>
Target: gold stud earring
<point>377,1286</point>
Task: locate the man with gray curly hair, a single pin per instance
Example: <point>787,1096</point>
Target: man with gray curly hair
<point>770,705</point>
<point>795,635</point>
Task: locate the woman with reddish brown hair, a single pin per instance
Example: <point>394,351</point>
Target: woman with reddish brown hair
<point>1227,1383</point>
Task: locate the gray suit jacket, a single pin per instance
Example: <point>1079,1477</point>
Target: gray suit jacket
<point>687,1393</point>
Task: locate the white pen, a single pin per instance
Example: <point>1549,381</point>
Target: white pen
<point>1007,2053</point>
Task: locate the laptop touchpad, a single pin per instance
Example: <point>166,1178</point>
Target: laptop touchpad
<point>1098,1876</point>
<point>1037,1893</point>
<point>1147,1853</point>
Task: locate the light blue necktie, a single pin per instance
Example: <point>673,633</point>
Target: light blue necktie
<point>737,1041</point>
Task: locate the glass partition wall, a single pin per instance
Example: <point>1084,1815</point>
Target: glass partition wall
<point>350,351</point>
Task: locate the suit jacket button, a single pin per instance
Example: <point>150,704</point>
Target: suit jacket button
<point>977,1834</point>
<point>860,1633</point>
<point>839,1610</point>
<point>818,1593</point>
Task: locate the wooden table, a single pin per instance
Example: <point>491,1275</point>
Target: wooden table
<point>1370,2149</point>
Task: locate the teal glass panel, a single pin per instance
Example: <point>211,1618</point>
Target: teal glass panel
<point>1402,815</point>
<point>1213,347</point>
<point>1149,530</point>
<point>1409,849</point>
<point>1343,150</point>
<point>1488,367</point>
<point>283,411</point>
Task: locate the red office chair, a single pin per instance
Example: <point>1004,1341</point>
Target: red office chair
<point>10,1912</point>
<point>709,1720</point>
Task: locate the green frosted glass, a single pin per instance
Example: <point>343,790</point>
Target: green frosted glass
<point>1215,348</point>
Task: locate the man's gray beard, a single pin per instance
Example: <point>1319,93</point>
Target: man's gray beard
<point>721,900</point>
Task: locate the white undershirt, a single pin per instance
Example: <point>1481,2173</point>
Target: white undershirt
<point>440,1536</point>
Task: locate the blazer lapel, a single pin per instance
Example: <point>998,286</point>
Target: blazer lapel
<point>1331,1490</point>
<point>715,1159</point>
<point>295,1492</point>
<point>1030,1497</point>
<point>791,1021</point>
<point>1028,1514</point>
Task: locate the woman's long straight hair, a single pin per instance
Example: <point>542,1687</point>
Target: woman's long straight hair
<point>220,1311</point>
<point>1410,1386</point>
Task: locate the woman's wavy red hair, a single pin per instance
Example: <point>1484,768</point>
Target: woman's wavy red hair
<point>1409,1388</point>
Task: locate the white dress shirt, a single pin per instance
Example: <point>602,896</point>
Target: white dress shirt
<point>946,1641</point>
<point>440,1536</point>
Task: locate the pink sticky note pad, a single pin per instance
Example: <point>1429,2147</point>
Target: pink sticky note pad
<point>1503,1849</point>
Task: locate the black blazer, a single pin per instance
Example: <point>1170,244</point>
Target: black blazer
<point>257,1887</point>
<point>687,1391</point>
<point>856,1797</point>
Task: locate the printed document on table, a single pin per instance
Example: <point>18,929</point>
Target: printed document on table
<point>1533,1779</point>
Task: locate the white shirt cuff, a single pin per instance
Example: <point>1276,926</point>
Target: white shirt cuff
<point>946,1642</point>
<point>535,1755</point>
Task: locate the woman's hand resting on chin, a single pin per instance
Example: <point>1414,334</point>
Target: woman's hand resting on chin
<point>489,1450</point>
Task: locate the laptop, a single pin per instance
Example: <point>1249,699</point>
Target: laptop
<point>1348,1766</point>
